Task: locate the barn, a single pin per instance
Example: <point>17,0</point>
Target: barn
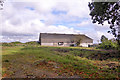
<point>55,39</point>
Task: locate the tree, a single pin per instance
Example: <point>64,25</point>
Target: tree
<point>78,41</point>
<point>103,38</point>
<point>107,11</point>
<point>107,44</point>
<point>1,4</point>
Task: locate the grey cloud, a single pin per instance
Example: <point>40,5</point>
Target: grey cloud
<point>16,21</point>
<point>4,33</point>
<point>19,38</point>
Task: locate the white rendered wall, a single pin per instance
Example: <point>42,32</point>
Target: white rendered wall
<point>85,44</point>
<point>65,44</point>
<point>47,44</point>
<point>55,44</point>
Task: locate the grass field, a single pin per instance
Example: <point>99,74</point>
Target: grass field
<point>54,62</point>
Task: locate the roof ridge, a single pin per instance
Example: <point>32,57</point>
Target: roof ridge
<point>62,34</point>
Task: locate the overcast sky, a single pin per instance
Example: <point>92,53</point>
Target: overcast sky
<point>23,21</point>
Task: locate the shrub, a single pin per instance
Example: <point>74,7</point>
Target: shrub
<point>7,44</point>
<point>12,43</point>
<point>32,43</point>
<point>16,42</point>
<point>108,44</point>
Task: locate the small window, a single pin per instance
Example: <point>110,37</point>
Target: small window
<point>60,43</point>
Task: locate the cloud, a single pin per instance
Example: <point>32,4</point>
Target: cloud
<point>95,31</point>
<point>24,20</point>
<point>84,23</point>
<point>30,31</point>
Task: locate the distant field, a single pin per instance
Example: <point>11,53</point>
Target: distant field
<point>42,61</point>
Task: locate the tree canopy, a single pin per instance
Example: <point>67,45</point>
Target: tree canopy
<point>107,11</point>
<point>103,38</point>
<point>1,4</point>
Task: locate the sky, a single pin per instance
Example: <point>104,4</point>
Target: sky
<point>24,20</point>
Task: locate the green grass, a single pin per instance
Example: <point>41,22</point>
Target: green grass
<point>10,50</point>
<point>74,60</point>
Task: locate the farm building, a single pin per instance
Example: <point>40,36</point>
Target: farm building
<point>54,39</point>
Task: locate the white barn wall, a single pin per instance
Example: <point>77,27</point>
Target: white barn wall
<point>85,44</point>
<point>54,44</point>
<point>65,44</point>
<point>47,44</point>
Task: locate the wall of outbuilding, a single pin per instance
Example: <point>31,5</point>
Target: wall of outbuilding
<point>47,39</point>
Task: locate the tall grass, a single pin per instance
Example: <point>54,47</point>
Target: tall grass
<point>70,59</point>
<point>73,59</point>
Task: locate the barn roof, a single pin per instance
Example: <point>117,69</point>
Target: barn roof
<point>56,34</point>
<point>49,37</point>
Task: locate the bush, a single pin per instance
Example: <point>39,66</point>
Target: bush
<point>12,44</point>
<point>108,44</point>
<point>16,42</point>
<point>7,44</point>
<point>32,43</point>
